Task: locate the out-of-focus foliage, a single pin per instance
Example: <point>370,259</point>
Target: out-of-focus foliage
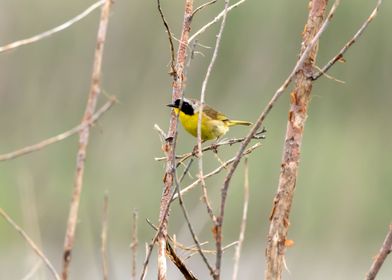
<point>342,204</point>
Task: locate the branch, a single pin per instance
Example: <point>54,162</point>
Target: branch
<point>215,20</point>
<point>243,222</point>
<point>202,100</point>
<point>385,250</point>
<point>134,244</point>
<point>169,146</point>
<point>59,137</point>
<point>104,237</point>
<point>300,97</point>
<point>202,6</point>
<point>52,31</point>
<point>84,137</point>
<point>31,243</point>
<point>169,34</point>
<point>348,44</point>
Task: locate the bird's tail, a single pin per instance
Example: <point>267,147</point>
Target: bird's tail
<point>234,122</point>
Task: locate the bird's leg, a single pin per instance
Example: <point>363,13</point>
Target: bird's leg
<point>214,145</point>
<point>195,150</point>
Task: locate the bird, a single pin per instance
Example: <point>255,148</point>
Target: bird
<point>214,124</point>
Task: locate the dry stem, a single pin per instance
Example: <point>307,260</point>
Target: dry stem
<point>300,98</point>
<point>348,44</point>
<point>134,244</point>
<point>104,237</point>
<point>52,31</point>
<point>31,244</point>
<point>84,137</point>
<point>169,146</point>
<point>59,137</point>
<point>243,221</point>
<point>385,250</point>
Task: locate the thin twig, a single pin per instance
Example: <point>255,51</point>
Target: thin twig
<point>134,244</point>
<point>169,34</point>
<point>385,250</point>
<point>59,137</point>
<point>217,170</point>
<point>104,237</point>
<point>190,227</point>
<point>261,118</point>
<point>31,243</point>
<point>348,44</point>
<point>202,100</point>
<point>52,31</point>
<point>33,270</point>
<point>215,20</point>
<point>183,157</point>
<point>202,6</point>
<point>84,137</point>
<point>243,221</point>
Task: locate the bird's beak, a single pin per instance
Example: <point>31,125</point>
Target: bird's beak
<point>171,105</point>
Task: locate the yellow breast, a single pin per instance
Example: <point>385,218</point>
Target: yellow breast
<point>210,129</point>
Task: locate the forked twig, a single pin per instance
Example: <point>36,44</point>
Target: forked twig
<point>31,243</point>
<point>52,31</point>
<point>348,44</point>
<point>84,137</point>
<point>40,145</point>
<point>385,250</point>
<point>215,20</point>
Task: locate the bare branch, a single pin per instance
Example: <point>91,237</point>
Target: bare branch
<point>84,137</point>
<point>348,44</point>
<point>31,244</point>
<point>104,237</point>
<point>169,146</point>
<point>171,253</point>
<point>215,20</point>
<point>217,170</point>
<point>52,31</point>
<point>169,34</point>
<point>202,6</point>
<point>202,100</point>
<point>59,137</point>
<point>385,250</point>
<point>134,244</point>
<point>243,221</point>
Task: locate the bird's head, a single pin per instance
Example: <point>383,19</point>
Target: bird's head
<point>187,106</point>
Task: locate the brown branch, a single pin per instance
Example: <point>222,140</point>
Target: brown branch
<point>169,34</point>
<point>300,97</point>
<point>52,31</point>
<point>176,260</point>
<point>169,146</point>
<point>243,221</point>
<point>257,126</point>
<point>385,250</point>
<point>104,237</point>
<point>84,137</point>
<point>134,244</point>
<point>31,243</point>
<point>59,137</point>
<point>348,44</point>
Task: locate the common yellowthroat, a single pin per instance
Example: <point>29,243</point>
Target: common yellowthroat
<point>213,123</point>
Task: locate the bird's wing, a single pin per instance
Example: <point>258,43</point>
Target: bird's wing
<point>213,114</point>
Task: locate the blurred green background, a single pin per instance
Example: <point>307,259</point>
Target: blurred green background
<point>342,204</point>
